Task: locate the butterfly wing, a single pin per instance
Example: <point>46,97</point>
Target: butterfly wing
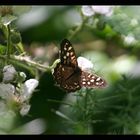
<point>67,72</point>
<point>69,76</point>
<point>67,54</point>
<point>91,80</point>
<point>65,79</point>
<point>57,74</point>
<point>72,82</point>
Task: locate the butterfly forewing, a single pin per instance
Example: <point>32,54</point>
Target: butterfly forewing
<point>67,54</point>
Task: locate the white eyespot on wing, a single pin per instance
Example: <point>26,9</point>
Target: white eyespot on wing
<point>67,53</point>
<point>70,48</point>
<point>98,79</point>
<point>84,79</point>
<point>63,69</point>
<point>77,86</point>
<point>75,83</point>
<point>97,83</point>
<point>92,80</point>
<point>65,48</point>
<point>93,77</point>
<point>83,83</point>
<point>88,83</point>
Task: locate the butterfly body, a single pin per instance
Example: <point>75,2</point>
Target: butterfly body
<point>69,76</point>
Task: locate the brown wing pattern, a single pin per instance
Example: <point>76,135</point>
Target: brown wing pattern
<point>69,76</point>
<point>92,80</point>
<point>67,54</point>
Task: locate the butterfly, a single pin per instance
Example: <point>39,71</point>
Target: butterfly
<point>69,76</point>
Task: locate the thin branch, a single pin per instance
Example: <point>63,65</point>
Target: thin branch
<point>30,62</point>
<point>8,40</point>
<point>78,29</point>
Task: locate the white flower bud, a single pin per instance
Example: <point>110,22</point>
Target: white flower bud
<point>84,63</point>
<point>106,10</point>
<point>87,10</point>
<point>25,109</point>
<point>28,88</point>
<point>9,74</point>
<point>22,76</point>
<point>129,40</point>
<point>91,10</point>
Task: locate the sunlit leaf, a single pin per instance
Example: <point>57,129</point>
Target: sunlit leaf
<point>6,20</point>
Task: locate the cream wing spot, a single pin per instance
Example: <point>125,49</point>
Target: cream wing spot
<point>84,79</point>
<point>88,83</point>
<point>93,77</point>
<point>92,80</point>
<point>77,86</point>
<point>65,48</point>
<point>67,53</point>
<point>75,83</point>
<point>63,69</point>
<point>89,75</point>
<point>71,53</point>
<point>84,83</point>
<point>70,48</point>
<point>98,79</point>
<point>97,83</point>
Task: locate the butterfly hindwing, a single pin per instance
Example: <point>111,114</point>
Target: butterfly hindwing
<point>92,80</point>
<point>71,83</point>
<point>58,74</point>
<point>67,77</point>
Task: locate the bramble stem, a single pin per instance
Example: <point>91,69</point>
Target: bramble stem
<point>8,41</point>
<point>78,29</point>
<point>30,62</point>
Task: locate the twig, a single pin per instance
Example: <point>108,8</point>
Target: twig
<point>8,41</point>
<point>30,62</point>
<point>78,29</point>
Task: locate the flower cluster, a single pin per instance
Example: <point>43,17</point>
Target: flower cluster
<point>19,94</point>
<point>84,63</point>
<point>92,10</point>
<point>129,39</point>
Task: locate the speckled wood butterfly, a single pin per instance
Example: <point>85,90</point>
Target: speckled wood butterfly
<point>69,76</point>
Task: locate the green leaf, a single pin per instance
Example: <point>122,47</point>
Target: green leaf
<point>7,119</point>
<point>15,37</point>
<point>20,47</point>
<point>6,20</point>
<point>2,49</point>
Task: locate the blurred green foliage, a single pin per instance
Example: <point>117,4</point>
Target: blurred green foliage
<point>111,43</point>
